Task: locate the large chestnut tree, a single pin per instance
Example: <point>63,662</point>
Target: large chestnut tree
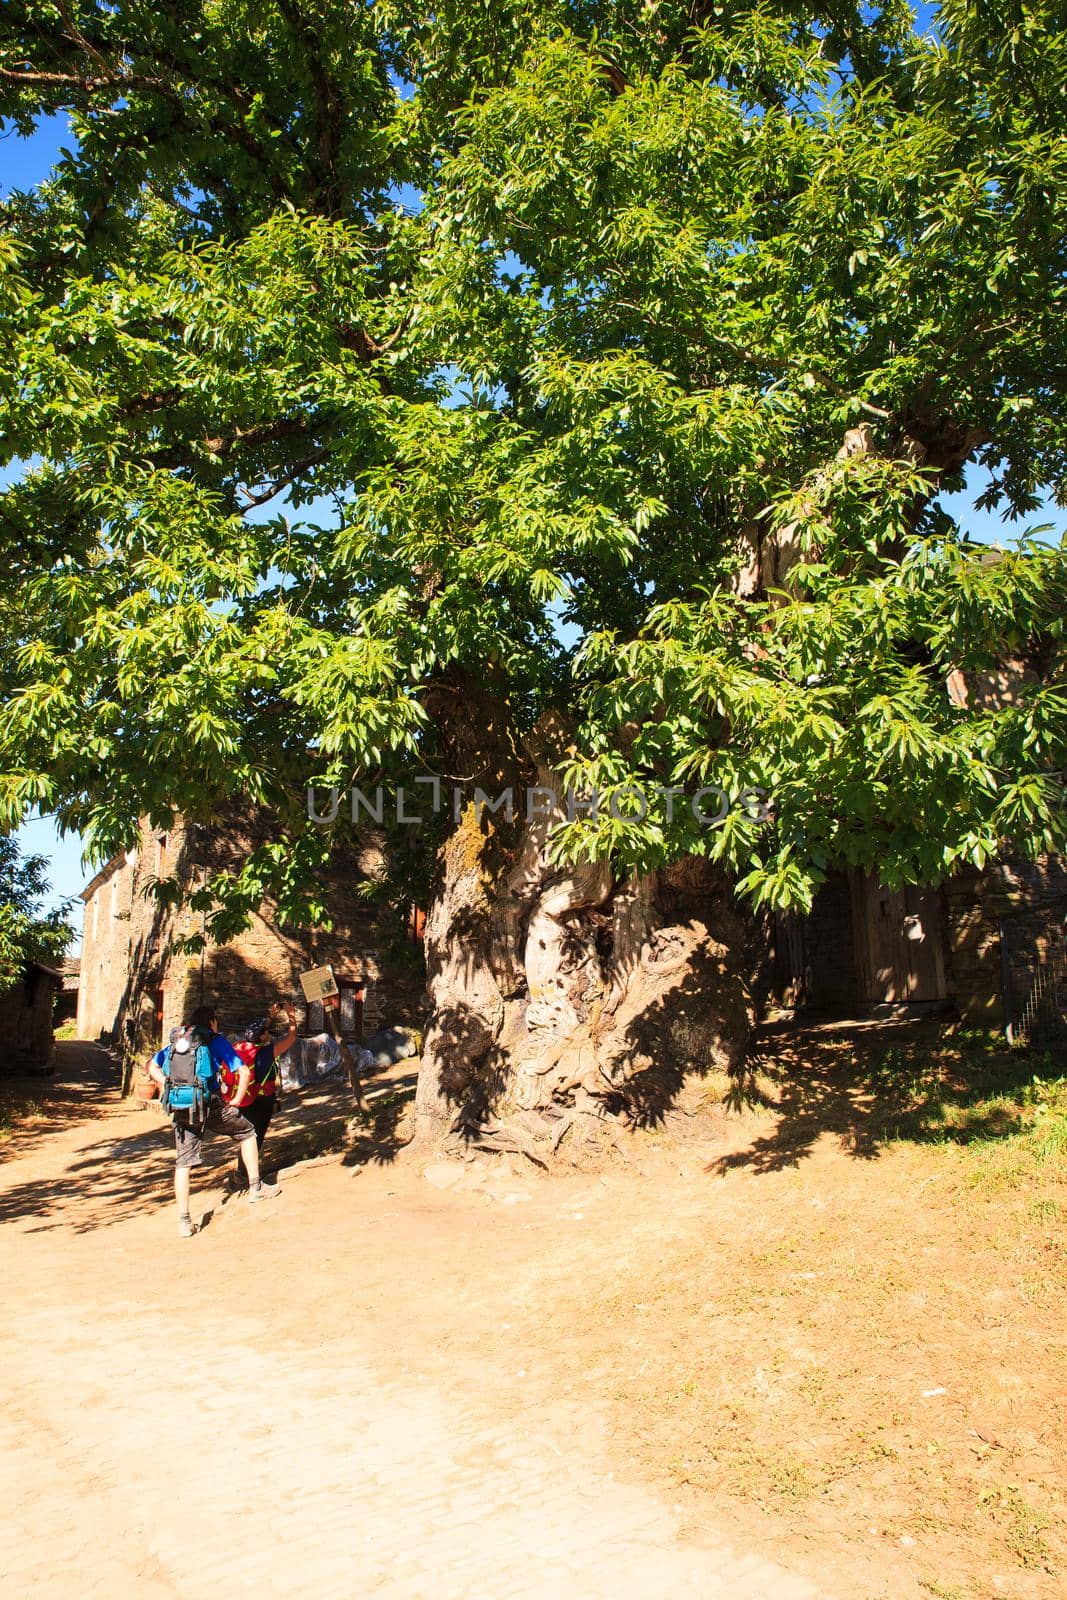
<point>523,392</point>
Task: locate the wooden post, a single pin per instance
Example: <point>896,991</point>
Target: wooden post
<point>331,1009</point>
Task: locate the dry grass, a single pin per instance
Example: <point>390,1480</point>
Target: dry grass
<point>856,1321</point>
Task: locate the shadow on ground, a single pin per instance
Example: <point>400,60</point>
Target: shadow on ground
<point>382,1134</point>
<point>873,1087</point>
<point>124,1163</point>
<point>84,1082</point>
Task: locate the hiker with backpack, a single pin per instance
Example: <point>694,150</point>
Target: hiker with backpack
<point>260,1053</point>
<point>187,1072</point>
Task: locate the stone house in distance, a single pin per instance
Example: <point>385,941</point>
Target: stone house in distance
<point>135,985</point>
<point>990,947</point>
<point>26,1019</point>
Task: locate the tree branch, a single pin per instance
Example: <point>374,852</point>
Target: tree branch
<point>329,120</point>
<point>77,80</point>
<point>125,81</point>
<point>757,358</point>
<point>297,471</point>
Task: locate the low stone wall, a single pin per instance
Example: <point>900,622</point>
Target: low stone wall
<point>978,904</point>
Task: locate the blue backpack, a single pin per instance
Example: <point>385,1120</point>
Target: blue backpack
<point>188,1071</point>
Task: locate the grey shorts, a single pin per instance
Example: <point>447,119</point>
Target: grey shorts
<point>188,1136</point>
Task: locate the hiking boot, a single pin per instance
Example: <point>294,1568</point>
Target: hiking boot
<point>186,1227</point>
<point>263,1191</point>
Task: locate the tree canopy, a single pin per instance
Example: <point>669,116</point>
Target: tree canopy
<point>379,373</point>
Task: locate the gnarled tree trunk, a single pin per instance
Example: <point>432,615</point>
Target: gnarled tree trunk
<point>565,996</point>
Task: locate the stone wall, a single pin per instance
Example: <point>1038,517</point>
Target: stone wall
<point>26,1021</point>
<point>109,905</point>
<point>136,986</point>
<point>979,903</point>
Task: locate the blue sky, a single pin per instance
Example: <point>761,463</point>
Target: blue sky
<point>25,163</point>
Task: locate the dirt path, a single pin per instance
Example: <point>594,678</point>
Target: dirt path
<point>295,1403</point>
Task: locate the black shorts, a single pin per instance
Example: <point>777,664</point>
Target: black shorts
<point>189,1136</point>
<point>259,1114</point>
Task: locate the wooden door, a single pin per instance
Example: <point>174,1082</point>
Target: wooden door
<point>899,935</point>
<point>924,938</point>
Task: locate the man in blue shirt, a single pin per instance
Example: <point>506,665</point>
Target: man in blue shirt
<point>227,1119</point>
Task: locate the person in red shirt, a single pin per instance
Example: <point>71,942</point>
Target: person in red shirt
<point>259,1051</point>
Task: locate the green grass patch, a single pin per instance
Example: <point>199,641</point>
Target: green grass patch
<point>15,1112</point>
<point>952,1098</point>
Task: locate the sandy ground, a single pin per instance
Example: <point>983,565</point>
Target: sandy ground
<point>282,1406</point>
<point>776,1364</point>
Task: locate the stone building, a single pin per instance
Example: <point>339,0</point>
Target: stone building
<point>26,1020</point>
<point>66,1007</point>
<point>136,983</point>
<point>1009,939</point>
<point>988,946</point>
<point>112,915</point>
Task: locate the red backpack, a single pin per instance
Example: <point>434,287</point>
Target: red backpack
<point>228,1075</point>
